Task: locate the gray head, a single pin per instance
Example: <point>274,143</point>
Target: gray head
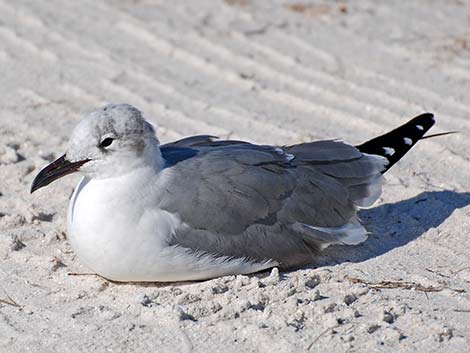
<point>109,142</point>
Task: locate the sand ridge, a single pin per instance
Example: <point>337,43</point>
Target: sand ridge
<point>276,72</point>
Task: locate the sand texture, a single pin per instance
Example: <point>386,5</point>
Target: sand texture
<point>274,72</point>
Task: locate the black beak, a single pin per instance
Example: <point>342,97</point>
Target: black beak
<point>55,170</point>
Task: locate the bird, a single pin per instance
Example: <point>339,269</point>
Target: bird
<point>203,207</point>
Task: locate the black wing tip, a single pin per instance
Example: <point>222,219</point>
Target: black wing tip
<point>396,143</point>
<point>428,118</point>
<point>426,115</point>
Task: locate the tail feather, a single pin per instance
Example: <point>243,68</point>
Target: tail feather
<point>396,143</point>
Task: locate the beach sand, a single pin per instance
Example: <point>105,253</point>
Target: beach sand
<point>270,72</point>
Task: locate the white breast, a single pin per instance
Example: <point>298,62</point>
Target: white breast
<point>113,232</point>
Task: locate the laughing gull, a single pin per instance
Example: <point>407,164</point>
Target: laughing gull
<point>201,207</point>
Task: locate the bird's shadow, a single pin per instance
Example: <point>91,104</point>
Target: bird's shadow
<point>396,224</point>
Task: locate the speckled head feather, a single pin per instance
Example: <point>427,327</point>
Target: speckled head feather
<point>116,132</point>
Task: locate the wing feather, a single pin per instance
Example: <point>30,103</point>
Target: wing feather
<point>243,200</point>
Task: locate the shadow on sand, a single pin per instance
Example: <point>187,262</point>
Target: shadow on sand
<point>396,224</point>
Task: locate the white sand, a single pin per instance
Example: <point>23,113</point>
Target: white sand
<point>241,69</point>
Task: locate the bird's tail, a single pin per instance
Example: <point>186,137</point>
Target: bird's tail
<point>396,143</point>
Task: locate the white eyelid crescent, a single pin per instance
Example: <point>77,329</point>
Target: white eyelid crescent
<point>107,136</point>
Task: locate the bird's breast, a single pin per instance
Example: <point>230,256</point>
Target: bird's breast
<point>117,234</point>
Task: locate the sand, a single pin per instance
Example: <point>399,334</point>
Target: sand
<point>271,72</point>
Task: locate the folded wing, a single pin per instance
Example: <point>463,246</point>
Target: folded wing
<point>261,202</point>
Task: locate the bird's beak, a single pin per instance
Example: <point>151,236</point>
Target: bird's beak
<point>55,170</point>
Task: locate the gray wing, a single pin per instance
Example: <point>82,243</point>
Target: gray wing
<point>262,202</point>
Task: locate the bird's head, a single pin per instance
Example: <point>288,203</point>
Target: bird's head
<point>109,142</point>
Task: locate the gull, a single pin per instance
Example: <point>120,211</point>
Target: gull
<point>201,207</point>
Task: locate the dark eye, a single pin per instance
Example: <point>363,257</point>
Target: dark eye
<point>106,142</point>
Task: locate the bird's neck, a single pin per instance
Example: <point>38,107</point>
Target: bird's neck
<point>152,156</point>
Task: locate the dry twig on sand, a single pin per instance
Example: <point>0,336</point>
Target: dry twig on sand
<point>401,285</point>
<point>460,270</point>
<point>9,301</point>
<point>83,274</point>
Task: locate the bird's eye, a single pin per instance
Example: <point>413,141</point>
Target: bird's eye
<point>106,142</point>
